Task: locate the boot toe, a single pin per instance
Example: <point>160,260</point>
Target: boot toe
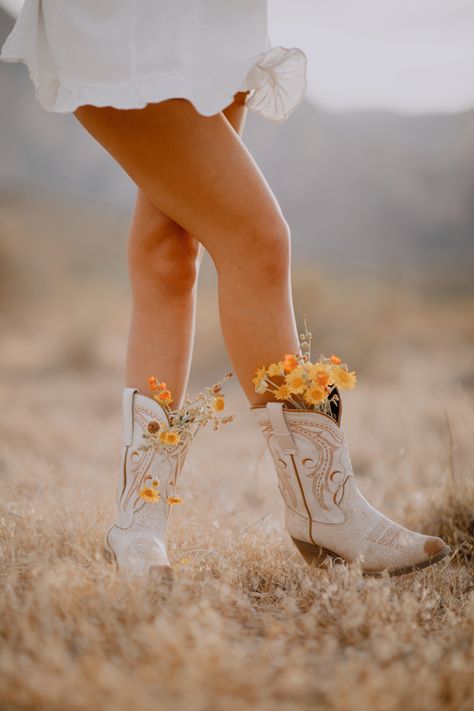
<point>433,546</point>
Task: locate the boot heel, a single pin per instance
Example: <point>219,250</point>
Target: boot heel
<point>108,555</point>
<point>107,551</point>
<point>313,555</point>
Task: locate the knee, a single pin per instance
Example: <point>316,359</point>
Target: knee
<point>270,248</point>
<point>164,257</point>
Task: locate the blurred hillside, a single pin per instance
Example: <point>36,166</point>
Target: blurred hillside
<point>360,189</point>
<point>381,208</point>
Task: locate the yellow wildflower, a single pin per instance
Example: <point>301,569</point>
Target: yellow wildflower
<point>282,392</point>
<point>218,403</point>
<point>172,437</point>
<point>168,437</point>
<point>343,378</point>
<point>314,394</point>
<point>149,494</point>
<point>320,373</point>
<point>174,500</point>
<point>275,369</point>
<point>259,380</point>
<point>295,381</point>
<point>259,375</point>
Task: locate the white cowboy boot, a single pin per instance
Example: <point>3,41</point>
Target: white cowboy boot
<point>137,539</point>
<point>325,513</point>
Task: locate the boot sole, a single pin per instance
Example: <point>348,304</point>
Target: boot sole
<point>316,555</point>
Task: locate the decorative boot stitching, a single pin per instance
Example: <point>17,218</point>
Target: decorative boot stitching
<point>124,472</point>
<point>310,520</point>
<point>385,533</point>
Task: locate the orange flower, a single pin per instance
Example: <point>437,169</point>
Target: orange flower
<point>335,359</point>
<point>290,362</point>
<point>322,379</point>
<point>320,373</point>
<point>165,394</point>
<point>163,386</point>
<point>174,500</point>
<point>153,385</point>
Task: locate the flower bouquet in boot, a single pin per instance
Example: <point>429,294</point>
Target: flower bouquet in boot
<point>156,441</point>
<point>325,513</point>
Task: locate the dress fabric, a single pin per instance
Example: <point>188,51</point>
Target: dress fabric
<point>128,53</point>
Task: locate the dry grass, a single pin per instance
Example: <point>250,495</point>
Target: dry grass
<point>247,623</point>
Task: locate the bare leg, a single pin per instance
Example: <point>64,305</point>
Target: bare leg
<point>197,171</point>
<point>163,264</point>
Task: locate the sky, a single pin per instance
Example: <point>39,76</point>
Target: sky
<point>411,56</point>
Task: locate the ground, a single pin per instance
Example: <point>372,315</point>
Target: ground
<point>247,623</point>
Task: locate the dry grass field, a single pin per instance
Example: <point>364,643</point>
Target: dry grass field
<point>248,624</point>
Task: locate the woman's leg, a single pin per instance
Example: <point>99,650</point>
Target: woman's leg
<point>163,267</point>
<point>197,171</point>
<point>163,263</point>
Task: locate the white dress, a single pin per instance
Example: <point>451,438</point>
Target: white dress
<point>128,53</point>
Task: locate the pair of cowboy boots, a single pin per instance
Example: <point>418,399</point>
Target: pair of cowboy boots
<point>325,513</point>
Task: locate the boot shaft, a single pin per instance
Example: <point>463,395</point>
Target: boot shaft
<point>311,458</point>
<point>143,470</point>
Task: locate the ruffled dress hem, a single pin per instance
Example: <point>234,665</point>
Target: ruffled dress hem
<point>276,80</point>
